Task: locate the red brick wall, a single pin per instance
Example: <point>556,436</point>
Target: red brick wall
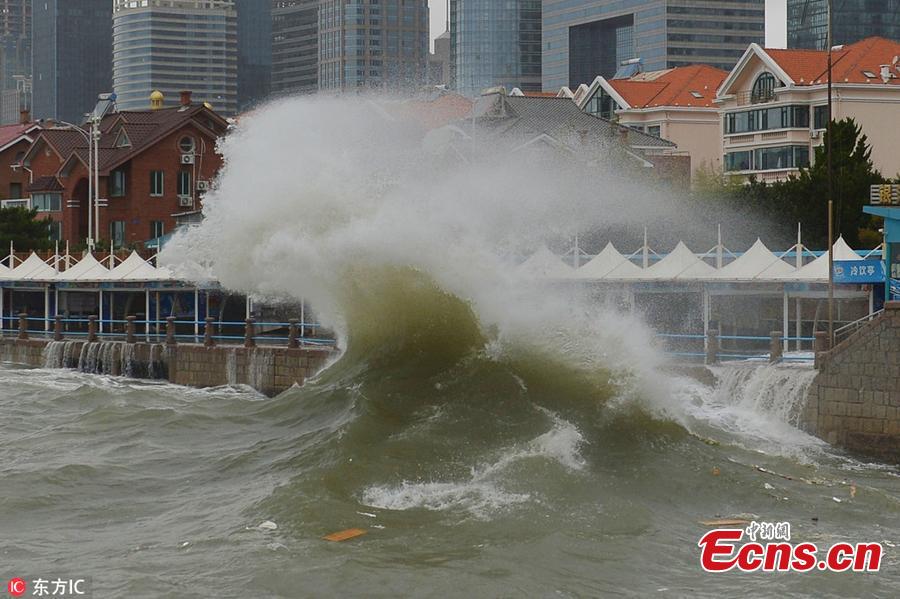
<point>8,175</point>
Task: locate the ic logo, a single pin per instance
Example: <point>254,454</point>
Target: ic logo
<point>16,587</point>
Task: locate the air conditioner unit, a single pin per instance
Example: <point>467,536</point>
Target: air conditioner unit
<point>814,134</point>
<point>187,159</point>
<point>185,201</point>
<point>202,185</point>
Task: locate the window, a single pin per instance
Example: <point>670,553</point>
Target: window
<point>117,232</point>
<point>117,184</point>
<point>820,117</point>
<point>46,202</point>
<point>765,119</point>
<point>763,88</point>
<point>601,105</point>
<point>186,144</point>
<point>157,229</point>
<point>55,230</point>
<point>184,183</point>
<point>763,159</point>
<point>15,190</point>
<point>654,130</point>
<point>156,183</point>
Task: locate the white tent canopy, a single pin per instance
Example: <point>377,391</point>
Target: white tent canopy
<point>87,269</point>
<point>681,263</point>
<point>32,269</point>
<point>545,264</point>
<point>608,264</point>
<point>756,264</point>
<point>135,268</point>
<point>817,270</point>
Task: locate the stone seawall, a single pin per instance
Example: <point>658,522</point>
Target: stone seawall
<point>269,370</point>
<point>854,401</point>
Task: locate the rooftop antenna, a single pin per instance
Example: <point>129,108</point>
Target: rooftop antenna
<point>719,248</point>
<point>646,250</point>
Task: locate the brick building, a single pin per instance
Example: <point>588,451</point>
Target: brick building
<point>154,164</point>
<point>14,142</point>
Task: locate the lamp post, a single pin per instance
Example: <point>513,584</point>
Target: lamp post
<point>88,137</point>
<point>828,145</point>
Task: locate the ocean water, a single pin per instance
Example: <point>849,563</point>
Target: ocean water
<point>475,480</point>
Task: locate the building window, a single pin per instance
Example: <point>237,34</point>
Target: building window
<point>117,184</point>
<point>117,232</point>
<point>186,144</point>
<point>184,183</point>
<point>820,117</point>
<point>156,183</point>
<point>55,230</point>
<point>46,202</point>
<point>767,159</point>
<point>763,88</point>
<point>602,105</point>
<point>654,130</point>
<point>15,190</point>
<point>157,229</point>
<point>765,119</point>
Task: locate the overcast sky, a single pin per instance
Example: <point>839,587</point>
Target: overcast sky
<point>776,17</point>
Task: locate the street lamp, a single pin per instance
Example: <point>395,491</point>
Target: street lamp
<point>829,136</point>
<point>88,137</point>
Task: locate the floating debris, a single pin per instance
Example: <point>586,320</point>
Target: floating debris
<point>344,535</point>
<point>267,525</point>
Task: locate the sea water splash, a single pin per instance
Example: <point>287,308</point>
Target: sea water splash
<point>351,204</point>
<point>483,492</point>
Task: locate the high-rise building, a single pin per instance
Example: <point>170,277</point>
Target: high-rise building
<point>439,61</point>
<point>71,56</point>
<point>372,44</point>
<point>852,21</point>
<point>586,38</point>
<point>495,43</point>
<point>295,46</point>
<point>175,45</point>
<point>254,38</point>
<point>15,59</point>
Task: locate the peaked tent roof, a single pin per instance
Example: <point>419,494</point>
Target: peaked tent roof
<point>545,264</point>
<point>609,263</point>
<point>135,268</point>
<point>681,263</point>
<point>817,270</point>
<point>757,263</point>
<point>87,269</point>
<point>32,269</point>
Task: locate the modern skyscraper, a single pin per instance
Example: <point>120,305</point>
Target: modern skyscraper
<point>586,38</point>
<point>175,45</point>
<point>372,44</point>
<point>71,56</point>
<point>295,46</point>
<point>254,37</point>
<point>15,59</point>
<point>495,43</point>
<point>439,61</point>
<point>853,20</point>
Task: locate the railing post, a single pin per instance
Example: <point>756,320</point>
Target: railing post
<point>170,331</point>
<point>129,328</point>
<point>775,347</point>
<point>820,345</point>
<point>23,325</point>
<point>712,346</point>
<point>250,333</point>
<point>293,335</point>
<point>57,328</point>
<point>92,329</point>
<point>209,332</point>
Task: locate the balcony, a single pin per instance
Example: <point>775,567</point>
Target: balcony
<point>16,203</point>
<point>759,97</point>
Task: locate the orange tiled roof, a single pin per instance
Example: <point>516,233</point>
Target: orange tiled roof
<point>849,64</point>
<point>691,86</point>
<point>10,133</point>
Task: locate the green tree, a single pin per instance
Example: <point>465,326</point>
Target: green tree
<point>22,227</point>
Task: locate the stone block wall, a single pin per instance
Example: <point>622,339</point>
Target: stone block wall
<point>854,401</point>
<point>269,370</point>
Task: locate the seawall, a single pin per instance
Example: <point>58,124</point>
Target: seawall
<point>269,370</point>
<point>854,401</point>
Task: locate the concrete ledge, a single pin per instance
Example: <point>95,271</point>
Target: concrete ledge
<point>269,370</point>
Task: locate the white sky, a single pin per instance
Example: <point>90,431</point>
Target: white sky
<point>776,21</point>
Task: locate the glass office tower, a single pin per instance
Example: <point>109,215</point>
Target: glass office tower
<point>853,20</point>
